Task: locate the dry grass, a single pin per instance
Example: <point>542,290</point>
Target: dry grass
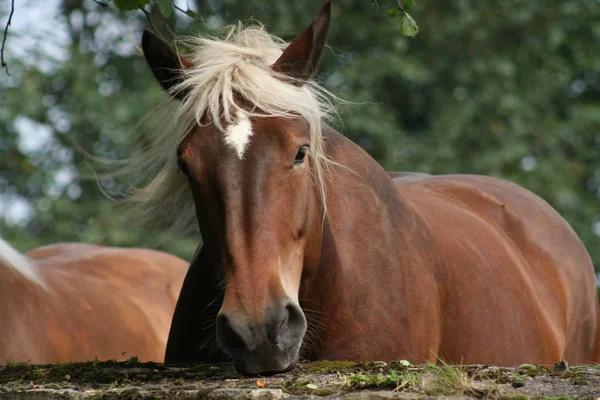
<point>444,379</point>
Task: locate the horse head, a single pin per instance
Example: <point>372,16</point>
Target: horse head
<point>251,151</point>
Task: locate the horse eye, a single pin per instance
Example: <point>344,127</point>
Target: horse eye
<point>301,155</point>
<point>184,169</point>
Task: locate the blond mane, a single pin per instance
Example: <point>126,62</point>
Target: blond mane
<point>240,63</point>
<point>19,263</point>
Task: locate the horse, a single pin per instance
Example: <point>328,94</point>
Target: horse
<point>73,302</point>
<point>312,251</point>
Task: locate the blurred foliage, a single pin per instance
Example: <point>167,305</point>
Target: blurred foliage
<point>128,5</point>
<point>503,88</point>
<point>408,26</point>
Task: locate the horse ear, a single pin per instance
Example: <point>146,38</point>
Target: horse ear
<point>164,62</point>
<point>301,58</point>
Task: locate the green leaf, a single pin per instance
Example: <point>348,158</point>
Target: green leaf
<point>192,14</point>
<point>408,26</point>
<point>129,5</point>
<point>165,7</point>
<point>393,12</point>
<point>408,4</point>
<point>312,386</point>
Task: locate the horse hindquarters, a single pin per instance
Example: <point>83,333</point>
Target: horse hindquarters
<point>516,276</point>
<point>191,338</point>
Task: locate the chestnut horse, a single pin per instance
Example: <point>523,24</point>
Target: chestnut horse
<point>75,302</point>
<point>312,250</point>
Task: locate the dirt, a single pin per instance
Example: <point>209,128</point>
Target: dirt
<point>373,380</point>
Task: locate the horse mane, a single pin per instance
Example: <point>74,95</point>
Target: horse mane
<point>19,263</point>
<point>237,64</point>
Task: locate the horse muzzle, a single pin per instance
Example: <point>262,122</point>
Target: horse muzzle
<point>267,347</point>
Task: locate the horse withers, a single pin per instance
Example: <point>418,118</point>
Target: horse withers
<point>72,302</point>
<point>311,250</point>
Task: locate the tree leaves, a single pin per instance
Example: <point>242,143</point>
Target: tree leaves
<point>408,4</point>
<point>165,7</point>
<point>129,5</point>
<point>463,98</point>
<point>408,26</point>
<point>192,14</point>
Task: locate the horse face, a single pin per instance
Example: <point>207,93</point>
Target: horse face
<point>256,210</point>
<point>256,205</point>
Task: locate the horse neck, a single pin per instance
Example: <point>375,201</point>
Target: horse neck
<point>371,253</point>
<point>364,208</point>
<point>358,188</point>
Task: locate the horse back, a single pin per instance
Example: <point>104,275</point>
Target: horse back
<point>110,303</point>
<point>504,248</point>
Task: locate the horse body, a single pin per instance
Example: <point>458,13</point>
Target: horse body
<point>466,268</point>
<point>88,301</point>
<point>311,249</point>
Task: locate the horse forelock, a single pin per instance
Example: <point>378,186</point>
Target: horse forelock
<point>19,263</point>
<point>237,66</point>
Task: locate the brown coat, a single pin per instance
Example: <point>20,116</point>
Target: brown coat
<point>109,303</point>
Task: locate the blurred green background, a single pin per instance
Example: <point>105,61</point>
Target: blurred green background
<point>504,88</point>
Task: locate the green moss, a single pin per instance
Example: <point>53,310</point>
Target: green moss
<point>54,386</point>
<point>579,381</point>
<point>327,367</point>
<point>517,381</point>
<point>394,380</point>
<point>529,370</point>
<point>125,379</point>
<point>96,373</point>
<point>495,375</point>
<point>400,364</point>
<point>300,386</point>
<point>369,381</point>
<point>569,374</point>
<point>127,394</point>
<point>11,364</point>
<point>373,366</point>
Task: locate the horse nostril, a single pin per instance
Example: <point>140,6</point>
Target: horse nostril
<point>295,315</point>
<point>270,342</point>
<point>288,325</point>
<point>230,339</point>
<point>284,321</point>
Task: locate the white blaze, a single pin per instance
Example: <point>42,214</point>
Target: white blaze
<point>238,134</point>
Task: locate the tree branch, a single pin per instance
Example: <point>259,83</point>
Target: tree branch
<point>186,12</point>
<point>178,8</point>
<point>12,11</point>
<point>148,18</point>
<point>100,3</point>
